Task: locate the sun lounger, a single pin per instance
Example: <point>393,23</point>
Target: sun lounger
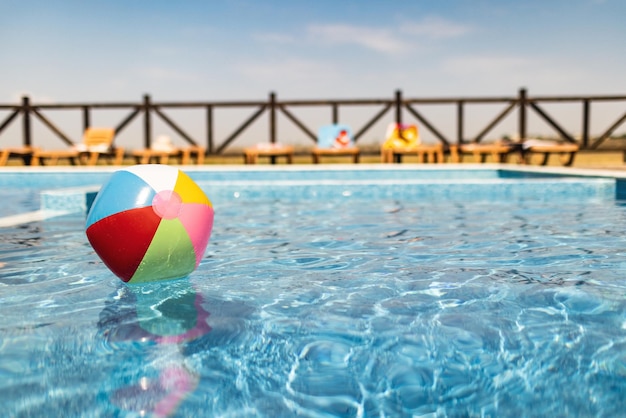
<point>403,140</point>
<point>426,153</point>
<point>567,151</point>
<point>271,150</point>
<point>97,142</point>
<point>497,150</point>
<point>163,149</point>
<point>335,140</point>
<point>186,155</point>
<point>23,153</point>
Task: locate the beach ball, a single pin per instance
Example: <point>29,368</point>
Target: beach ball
<point>149,223</point>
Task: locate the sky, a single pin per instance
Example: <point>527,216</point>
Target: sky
<point>119,50</point>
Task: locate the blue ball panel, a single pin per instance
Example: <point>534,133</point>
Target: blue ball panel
<point>123,191</point>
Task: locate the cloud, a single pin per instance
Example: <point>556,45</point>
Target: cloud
<point>435,28</point>
<point>393,39</point>
<point>377,39</point>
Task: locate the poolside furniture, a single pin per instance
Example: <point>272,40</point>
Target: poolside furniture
<point>186,155</point>
<point>335,140</point>
<point>24,153</point>
<point>402,139</point>
<point>498,151</point>
<point>425,153</point>
<point>97,142</point>
<point>566,150</point>
<point>271,150</point>
<point>163,149</point>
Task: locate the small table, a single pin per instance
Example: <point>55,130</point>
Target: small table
<point>352,151</point>
<point>251,155</point>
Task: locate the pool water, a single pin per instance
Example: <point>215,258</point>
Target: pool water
<point>330,305</point>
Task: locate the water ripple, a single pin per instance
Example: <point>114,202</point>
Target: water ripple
<point>330,310</point>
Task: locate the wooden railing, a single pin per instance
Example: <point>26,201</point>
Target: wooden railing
<point>399,105</point>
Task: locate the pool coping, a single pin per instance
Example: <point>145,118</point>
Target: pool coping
<point>570,171</point>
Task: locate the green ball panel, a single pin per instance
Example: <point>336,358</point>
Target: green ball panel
<point>170,254</point>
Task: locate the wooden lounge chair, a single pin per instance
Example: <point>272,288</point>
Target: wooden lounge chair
<point>400,139</point>
<point>273,151</point>
<point>23,153</point>
<point>566,150</point>
<point>404,139</point>
<point>335,140</point>
<point>97,142</point>
<point>497,150</point>
<point>163,149</point>
<point>426,153</point>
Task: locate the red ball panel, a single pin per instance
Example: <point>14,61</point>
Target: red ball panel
<point>121,240</point>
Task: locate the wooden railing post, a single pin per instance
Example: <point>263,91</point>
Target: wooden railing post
<point>147,128</point>
<point>335,113</point>
<point>26,139</point>
<point>86,118</point>
<point>272,117</point>
<point>459,122</point>
<point>209,129</point>
<point>398,107</point>
<point>586,116</point>
<point>522,114</point>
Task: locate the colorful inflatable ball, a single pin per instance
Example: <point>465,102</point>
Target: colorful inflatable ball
<point>150,223</point>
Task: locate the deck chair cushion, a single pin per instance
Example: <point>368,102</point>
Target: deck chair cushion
<point>401,136</point>
<point>96,140</point>
<point>163,143</point>
<point>335,136</point>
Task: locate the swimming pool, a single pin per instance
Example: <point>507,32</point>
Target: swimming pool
<point>327,292</point>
